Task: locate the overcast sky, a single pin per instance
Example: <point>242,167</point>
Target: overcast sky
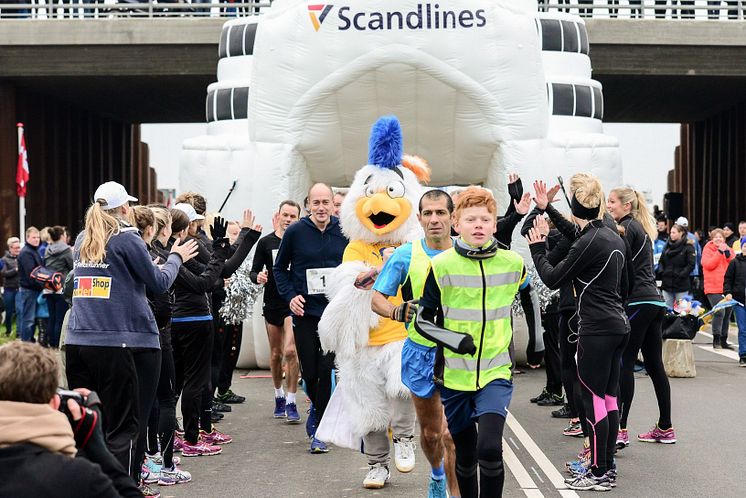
<point>647,152</point>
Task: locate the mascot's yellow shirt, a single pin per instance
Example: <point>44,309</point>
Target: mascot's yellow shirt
<point>387,330</point>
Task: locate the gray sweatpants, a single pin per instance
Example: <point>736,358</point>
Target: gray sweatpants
<point>376,444</point>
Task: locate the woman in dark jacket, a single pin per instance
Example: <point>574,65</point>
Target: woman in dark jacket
<point>677,262</point>
<point>58,257</point>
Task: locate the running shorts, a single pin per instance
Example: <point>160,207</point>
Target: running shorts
<point>276,317</point>
<point>463,408</point>
<point>417,363</point>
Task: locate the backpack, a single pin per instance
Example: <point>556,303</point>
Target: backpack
<point>680,327</point>
<point>50,279</point>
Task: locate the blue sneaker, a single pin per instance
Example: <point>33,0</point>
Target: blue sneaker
<point>437,488</point>
<point>291,411</point>
<point>311,422</point>
<point>279,408</point>
<point>318,446</point>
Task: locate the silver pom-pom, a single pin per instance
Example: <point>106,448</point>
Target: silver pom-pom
<point>546,295</point>
<point>240,296</point>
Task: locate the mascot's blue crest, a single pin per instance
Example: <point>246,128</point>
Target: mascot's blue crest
<point>385,145</point>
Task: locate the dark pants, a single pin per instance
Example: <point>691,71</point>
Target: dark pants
<point>9,300</point>
<point>162,421</point>
<point>57,309</point>
<point>231,350</point>
<point>192,343</point>
<point>481,450</point>
<point>26,310</point>
<point>568,326</point>
<point>148,365</point>
<point>599,361</point>
<point>111,372</point>
<point>552,353</point>
<point>720,319</point>
<point>646,335</point>
<point>315,366</point>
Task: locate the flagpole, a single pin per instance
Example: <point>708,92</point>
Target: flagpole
<point>21,199</point>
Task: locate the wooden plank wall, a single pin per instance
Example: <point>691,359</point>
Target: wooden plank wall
<point>71,151</point>
<point>710,168</point>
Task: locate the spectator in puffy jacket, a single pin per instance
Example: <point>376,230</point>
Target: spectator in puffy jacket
<point>29,289</point>
<point>716,256</point>
<point>57,257</point>
<point>675,265</point>
<point>734,286</point>
<point>10,281</point>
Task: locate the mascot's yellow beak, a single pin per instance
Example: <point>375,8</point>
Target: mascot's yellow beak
<point>381,214</point>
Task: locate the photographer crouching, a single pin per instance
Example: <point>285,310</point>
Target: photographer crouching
<point>41,434</point>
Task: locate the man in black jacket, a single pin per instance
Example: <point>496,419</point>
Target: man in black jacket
<point>29,289</point>
<point>36,439</point>
<point>10,281</point>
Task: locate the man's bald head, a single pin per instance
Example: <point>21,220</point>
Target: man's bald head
<point>320,190</point>
<point>320,203</point>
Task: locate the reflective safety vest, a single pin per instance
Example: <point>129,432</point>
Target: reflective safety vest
<point>476,296</point>
<point>419,266</point>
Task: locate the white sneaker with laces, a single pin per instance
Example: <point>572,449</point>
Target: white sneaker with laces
<point>377,477</point>
<point>404,455</point>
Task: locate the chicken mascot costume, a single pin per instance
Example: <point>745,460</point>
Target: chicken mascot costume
<point>378,214</point>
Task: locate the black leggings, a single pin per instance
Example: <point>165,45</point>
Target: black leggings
<point>192,342</point>
<point>531,310</point>
<point>599,360</point>
<point>646,322</point>
<point>551,352</point>
<point>231,350</point>
<point>315,366</point>
<point>162,421</point>
<point>482,450</point>
<point>568,327</point>
<point>148,365</point>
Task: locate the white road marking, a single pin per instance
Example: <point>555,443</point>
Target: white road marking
<point>541,459</point>
<point>527,484</point>
<point>733,355</point>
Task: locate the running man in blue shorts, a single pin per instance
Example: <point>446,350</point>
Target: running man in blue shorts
<point>407,269</point>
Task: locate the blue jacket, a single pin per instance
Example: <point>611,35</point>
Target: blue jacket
<point>109,303</point>
<point>305,247</point>
<point>29,259</point>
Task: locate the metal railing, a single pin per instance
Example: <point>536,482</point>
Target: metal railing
<point>603,9</point>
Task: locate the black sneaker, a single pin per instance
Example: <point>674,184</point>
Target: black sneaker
<point>563,412</point>
<point>727,345</point>
<point>230,397</point>
<point>742,361</point>
<point>220,407</point>
<point>552,400</point>
<point>216,417</point>
<point>544,395</point>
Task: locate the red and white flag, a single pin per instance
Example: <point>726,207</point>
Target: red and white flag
<point>22,172</point>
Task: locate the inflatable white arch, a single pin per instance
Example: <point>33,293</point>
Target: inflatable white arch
<point>481,87</point>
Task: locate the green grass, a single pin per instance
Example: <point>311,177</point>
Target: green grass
<point>7,338</point>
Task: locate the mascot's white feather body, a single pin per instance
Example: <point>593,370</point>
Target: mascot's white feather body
<point>380,209</point>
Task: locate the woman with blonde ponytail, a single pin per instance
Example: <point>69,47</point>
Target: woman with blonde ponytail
<point>110,320</point>
<point>645,308</point>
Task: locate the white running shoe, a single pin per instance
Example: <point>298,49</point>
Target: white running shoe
<point>404,455</point>
<point>377,477</point>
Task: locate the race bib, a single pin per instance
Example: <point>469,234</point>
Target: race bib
<point>317,280</point>
<point>274,255</point>
<point>657,258</point>
<point>92,287</point>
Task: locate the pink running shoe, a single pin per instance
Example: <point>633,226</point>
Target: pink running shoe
<point>622,439</point>
<point>200,449</point>
<point>657,435</point>
<point>215,437</point>
<point>178,445</point>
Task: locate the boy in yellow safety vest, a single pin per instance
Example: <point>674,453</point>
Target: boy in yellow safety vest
<point>465,310</point>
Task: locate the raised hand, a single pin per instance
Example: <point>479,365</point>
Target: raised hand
<point>534,237</point>
<point>187,250</point>
<point>219,228</point>
<point>248,219</point>
<point>540,194</point>
<point>541,225</point>
<point>523,206</point>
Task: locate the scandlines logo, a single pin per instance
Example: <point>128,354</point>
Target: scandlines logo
<point>323,11</point>
<point>426,16</point>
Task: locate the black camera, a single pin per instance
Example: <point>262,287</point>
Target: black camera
<point>73,395</point>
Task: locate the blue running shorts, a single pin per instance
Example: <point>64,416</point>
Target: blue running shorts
<point>417,364</point>
<point>463,408</point>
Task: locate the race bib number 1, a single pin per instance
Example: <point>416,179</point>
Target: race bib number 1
<point>317,280</point>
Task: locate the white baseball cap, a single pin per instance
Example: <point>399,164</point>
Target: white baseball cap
<point>113,195</point>
<point>189,210</point>
<point>682,221</point>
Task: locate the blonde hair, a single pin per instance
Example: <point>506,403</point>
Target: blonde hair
<point>639,211</point>
<point>143,217</point>
<point>198,201</point>
<point>591,191</point>
<point>44,235</point>
<point>162,217</point>
<point>100,225</point>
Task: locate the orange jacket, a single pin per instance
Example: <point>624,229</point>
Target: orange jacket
<point>714,264</point>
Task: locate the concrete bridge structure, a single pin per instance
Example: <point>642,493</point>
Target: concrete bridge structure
<point>82,87</point>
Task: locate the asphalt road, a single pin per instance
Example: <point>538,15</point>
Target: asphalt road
<point>269,458</point>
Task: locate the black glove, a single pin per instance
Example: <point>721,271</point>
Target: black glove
<point>515,190</point>
<point>90,424</point>
<point>218,229</point>
<point>404,312</point>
